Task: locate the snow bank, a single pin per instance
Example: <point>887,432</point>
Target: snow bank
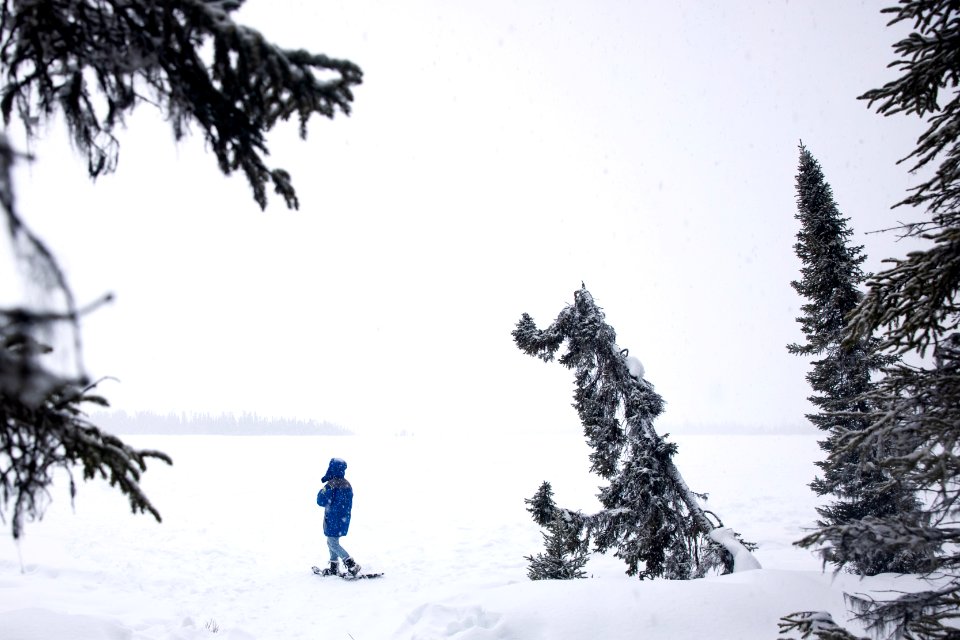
<point>720,607</point>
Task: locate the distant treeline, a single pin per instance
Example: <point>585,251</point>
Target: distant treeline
<point>247,424</point>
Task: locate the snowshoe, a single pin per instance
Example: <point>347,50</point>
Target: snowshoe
<point>361,576</point>
<point>332,570</point>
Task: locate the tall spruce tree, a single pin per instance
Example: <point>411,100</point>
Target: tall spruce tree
<point>651,519</point>
<point>915,432</point>
<point>93,62</point>
<point>841,376</point>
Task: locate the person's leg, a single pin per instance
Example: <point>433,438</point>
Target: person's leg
<point>333,545</point>
<point>336,551</point>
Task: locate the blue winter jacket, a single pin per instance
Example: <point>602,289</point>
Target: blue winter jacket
<point>336,498</point>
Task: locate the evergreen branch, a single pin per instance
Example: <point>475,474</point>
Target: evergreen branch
<point>904,540</point>
<point>36,440</point>
<point>41,423</point>
<point>930,64</point>
<point>198,64</point>
<point>906,229</point>
<point>815,624</point>
<point>21,316</point>
<point>930,614</point>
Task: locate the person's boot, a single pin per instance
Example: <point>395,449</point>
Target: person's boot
<point>352,566</point>
<point>332,570</point>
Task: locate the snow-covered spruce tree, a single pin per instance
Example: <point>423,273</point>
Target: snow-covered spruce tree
<point>559,561</point>
<point>650,517</point>
<point>913,304</point>
<point>841,377</point>
<point>565,549</point>
<point>94,61</point>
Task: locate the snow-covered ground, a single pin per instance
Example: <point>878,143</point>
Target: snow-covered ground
<point>444,518</point>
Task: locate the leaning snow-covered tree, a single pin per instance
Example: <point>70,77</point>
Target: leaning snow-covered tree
<point>841,377</point>
<point>913,304</point>
<point>92,62</point>
<point>651,519</point>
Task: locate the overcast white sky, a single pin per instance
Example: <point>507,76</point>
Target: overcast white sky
<point>499,154</point>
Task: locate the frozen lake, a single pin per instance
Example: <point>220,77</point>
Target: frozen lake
<point>444,518</point>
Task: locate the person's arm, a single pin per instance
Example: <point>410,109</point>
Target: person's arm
<point>323,498</point>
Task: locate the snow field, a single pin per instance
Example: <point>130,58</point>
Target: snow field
<point>444,518</point>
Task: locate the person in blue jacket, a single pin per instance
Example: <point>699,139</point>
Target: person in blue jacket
<point>336,498</point>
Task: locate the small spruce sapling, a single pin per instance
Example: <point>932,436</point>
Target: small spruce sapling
<point>565,548</point>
